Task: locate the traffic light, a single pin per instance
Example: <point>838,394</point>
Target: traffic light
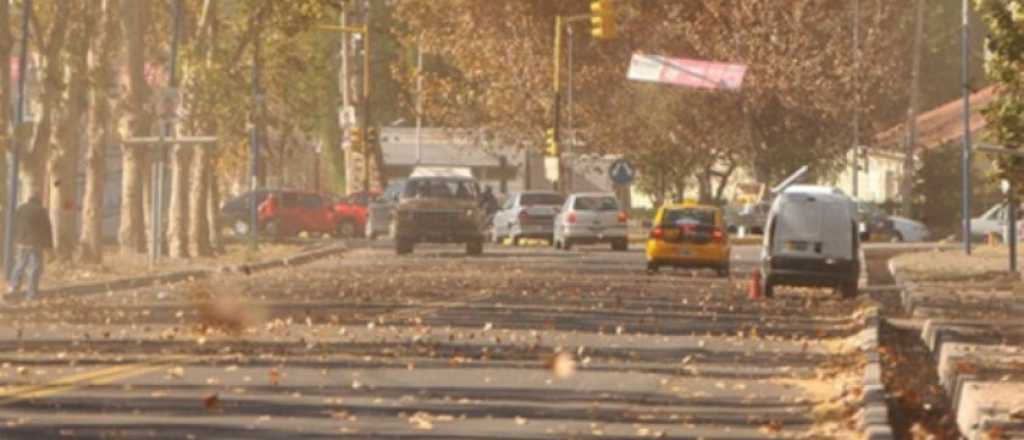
<point>602,19</point>
<point>355,138</point>
<point>552,143</point>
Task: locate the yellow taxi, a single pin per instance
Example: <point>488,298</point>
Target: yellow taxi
<point>689,235</point>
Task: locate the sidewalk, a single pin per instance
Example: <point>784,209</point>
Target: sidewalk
<point>120,272</point>
<point>972,312</point>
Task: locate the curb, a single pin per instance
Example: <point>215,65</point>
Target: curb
<point>874,417</point>
<point>971,418</point>
<point>192,274</point>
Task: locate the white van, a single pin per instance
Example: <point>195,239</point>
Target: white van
<point>811,239</point>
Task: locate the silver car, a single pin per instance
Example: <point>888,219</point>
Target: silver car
<point>528,214</point>
<point>381,210</point>
<point>589,218</point>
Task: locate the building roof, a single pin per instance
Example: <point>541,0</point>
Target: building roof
<point>939,126</point>
<point>439,147</point>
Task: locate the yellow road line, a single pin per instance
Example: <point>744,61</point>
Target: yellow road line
<point>72,382</point>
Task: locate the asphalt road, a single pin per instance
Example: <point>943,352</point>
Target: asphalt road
<point>520,343</point>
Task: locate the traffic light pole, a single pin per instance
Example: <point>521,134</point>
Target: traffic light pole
<point>556,125</point>
<point>561,23</point>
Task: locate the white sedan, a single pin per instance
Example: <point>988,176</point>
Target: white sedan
<point>908,230</point>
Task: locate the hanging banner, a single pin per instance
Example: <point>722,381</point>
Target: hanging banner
<point>686,72</point>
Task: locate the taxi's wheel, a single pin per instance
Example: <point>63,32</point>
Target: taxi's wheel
<point>653,267</point>
<point>620,245</point>
<point>566,244</point>
<point>515,240</point>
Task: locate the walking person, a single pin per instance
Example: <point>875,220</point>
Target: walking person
<point>32,235</point>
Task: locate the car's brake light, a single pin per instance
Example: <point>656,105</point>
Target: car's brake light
<point>571,218</point>
<point>623,217</point>
<point>657,233</point>
<point>717,235</point>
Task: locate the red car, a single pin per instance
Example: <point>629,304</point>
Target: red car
<point>286,213</point>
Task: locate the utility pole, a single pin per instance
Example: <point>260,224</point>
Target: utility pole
<point>966,161</point>
<point>366,117</point>
<point>907,185</point>
<point>568,177</point>
<point>855,171</point>
<point>419,99</point>
<point>254,135</point>
<point>343,86</point>
<point>14,152</point>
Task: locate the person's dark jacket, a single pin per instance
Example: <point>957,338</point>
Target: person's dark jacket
<point>32,225</point>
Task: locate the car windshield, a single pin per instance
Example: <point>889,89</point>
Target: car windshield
<point>460,189</point>
<point>534,199</point>
<point>700,216</point>
<point>596,204</point>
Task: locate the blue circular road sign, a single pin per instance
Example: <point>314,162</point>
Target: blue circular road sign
<point>621,172</point>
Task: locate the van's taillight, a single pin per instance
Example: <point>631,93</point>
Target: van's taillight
<point>657,233</point>
<point>571,218</point>
<point>623,217</point>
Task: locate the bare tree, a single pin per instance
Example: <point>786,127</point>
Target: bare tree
<point>132,235</point>
<point>64,159</point>
<point>102,131</point>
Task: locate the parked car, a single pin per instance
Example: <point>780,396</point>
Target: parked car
<point>589,218</point>
<point>908,230</point>
<point>380,210</point>
<point>528,214</point>
<point>235,212</point>
<point>874,224</point>
<point>441,206</point>
<point>751,218</point>
<point>689,235</point>
<point>352,212</point>
<point>811,240</point>
<point>992,221</point>
<point>286,213</point>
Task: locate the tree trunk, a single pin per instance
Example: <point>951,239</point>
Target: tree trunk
<point>132,235</point>
<point>64,161</point>
<point>102,133</point>
<point>213,211</point>
<point>199,230</point>
<point>177,228</point>
<point>6,44</point>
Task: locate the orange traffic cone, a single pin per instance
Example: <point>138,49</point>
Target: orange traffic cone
<point>754,290</point>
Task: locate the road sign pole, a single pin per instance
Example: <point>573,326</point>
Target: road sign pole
<point>13,156</point>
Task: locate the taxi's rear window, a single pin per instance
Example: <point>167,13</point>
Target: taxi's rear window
<point>678,216</point>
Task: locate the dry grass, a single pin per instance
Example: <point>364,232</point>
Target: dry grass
<point>987,263</point>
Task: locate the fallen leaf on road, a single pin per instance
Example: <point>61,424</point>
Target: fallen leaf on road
<point>212,402</point>
<point>562,365</point>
